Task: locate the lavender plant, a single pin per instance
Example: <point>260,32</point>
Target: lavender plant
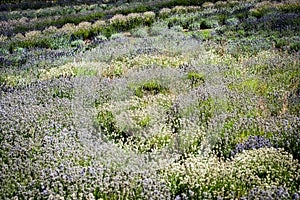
<point>175,114</point>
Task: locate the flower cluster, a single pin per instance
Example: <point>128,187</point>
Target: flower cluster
<point>253,142</point>
<point>207,177</point>
<point>271,193</point>
<point>207,112</point>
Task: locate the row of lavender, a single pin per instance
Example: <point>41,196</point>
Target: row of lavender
<point>17,51</point>
<point>40,19</point>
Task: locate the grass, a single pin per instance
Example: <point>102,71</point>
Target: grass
<point>182,100</point>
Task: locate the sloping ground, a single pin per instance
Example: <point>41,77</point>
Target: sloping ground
<point>201,103</point>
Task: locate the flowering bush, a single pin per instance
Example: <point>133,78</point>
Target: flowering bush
<point>201,177</point>
<point>180,113</point>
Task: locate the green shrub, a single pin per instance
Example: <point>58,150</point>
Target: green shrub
<point>133,20</point>
<point>150,87</point>
<point>203,34</point>
<point>108,31</point>
<point>140,32</point>
<point>164,13</point>
<point>292,7</point>
<point>77,43</point>
<point>258,13</point>
<point>107,123</point>
<point>232,21</point>
<point>195,26</point>
<point>196,78</point>
<point>209,23</point>
<point>119,22</point>
<point>148,18</point>
<point>58,41</point>
<point>113,37</point>
<point>100,37</point>
<point>82,34</point>
<point>157,29</point>
<point>295,46</point>
<point>177,28</point>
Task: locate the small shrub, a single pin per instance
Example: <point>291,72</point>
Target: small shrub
<point>157,29</point>
<point>195,26</point>
<point>164,13</point>
<point>177,28</point>
<point>207,5</point>
<point>256,13</point>
<point>209,23</point>
<point>150,87</point>
<point>77,43</point>
<point>203,34</point>
<point>101,38</point>
<point>107,123</point>
<point>116,36</point>
<point>148,18</point>
<point>295,46</point>
<point>195,78</point>
<point>83,30</point>
<point>200,177</point>
<point>232,21</point>
<point>133,20</point>
<point>98,26</point>
<point>119,22</point>
<point>140,32</point>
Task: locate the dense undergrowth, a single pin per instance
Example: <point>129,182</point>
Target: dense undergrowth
<point>123,100</point>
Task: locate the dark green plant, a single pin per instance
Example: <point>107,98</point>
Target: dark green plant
<point>62,93</point>
<point>295,46</point>
<point>77,43</point>
<point>209,23</point>
<point>140,32</point>
<point>106,122</point>
<point>196,78</point>
<point>150,87</point>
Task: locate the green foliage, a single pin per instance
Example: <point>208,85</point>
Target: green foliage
<point>232,21</point>
<point>202,34</point>
<point>145,121</point>
<point>113,71</point>
<point>195,26</point>
<point>101,37</point>
<point>60,93</point>
<point>157,29</point>
<point>113,37</point>
<point>151,87</point>
<point>82,34</point>
<point>106,121</point>
<point>196,78</point>
<point>140,32</point>
<point>292,7</point>
<point>138,9</point>
<point>108,31</point>
<point>77,43</point>
<point>54,42</point>
<point>57,42</point>
<point>185,21</point>
<point>258,13</point>
<point>295,46</point>
<point>209,23</point>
